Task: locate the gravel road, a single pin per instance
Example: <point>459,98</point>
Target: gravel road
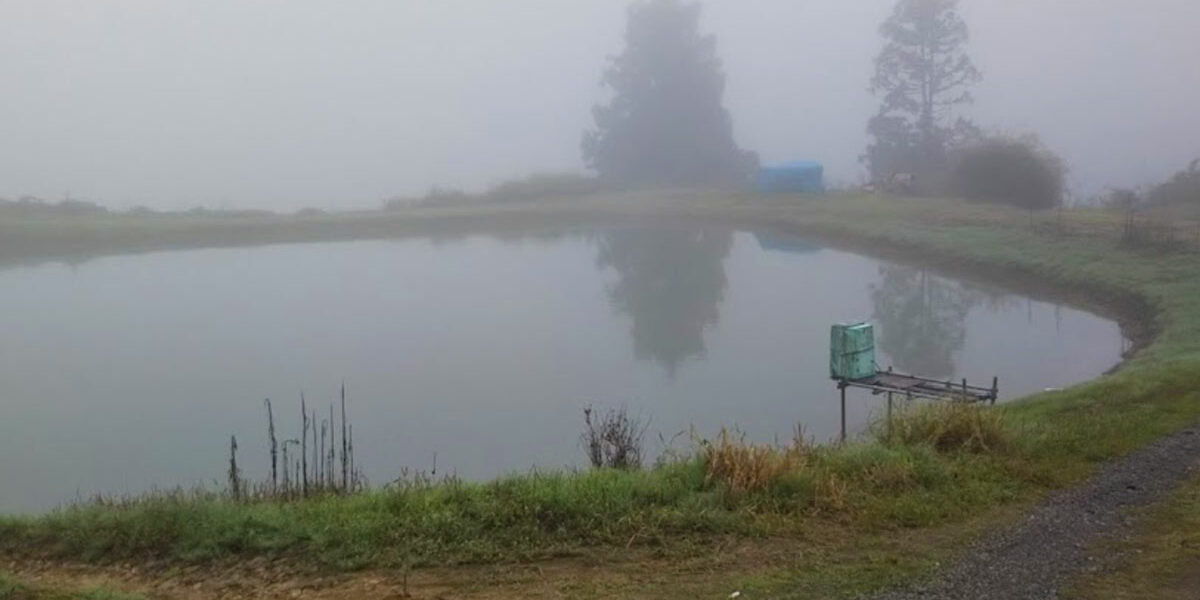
<point>1035,558</point>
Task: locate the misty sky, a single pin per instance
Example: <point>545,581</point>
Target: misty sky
<point>289,103</point>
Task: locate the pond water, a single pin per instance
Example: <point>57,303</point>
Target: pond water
<point>125,373</point>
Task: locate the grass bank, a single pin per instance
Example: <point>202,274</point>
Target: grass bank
<point>838,513</point>
<point>1162,562</point>
<point>11,589</point>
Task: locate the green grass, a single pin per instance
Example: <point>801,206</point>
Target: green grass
<point>11,589</point>
<point>1162,562</point>
<point>527,517</point>
<point>941,471</point>
<point>8,587</point>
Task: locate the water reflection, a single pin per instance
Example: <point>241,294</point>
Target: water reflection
<point>788,244</point>
<point>671,283</point>
<point>140,367</point>
<point>922,319</point>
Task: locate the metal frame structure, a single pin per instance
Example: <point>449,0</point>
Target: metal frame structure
<point>914,386</point>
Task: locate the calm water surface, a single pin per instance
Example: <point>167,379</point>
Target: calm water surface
<point>125,373</point>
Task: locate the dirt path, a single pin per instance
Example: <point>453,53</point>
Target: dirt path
<point>1035,559</point>
<point>261,579</point>
<point>258,580</point>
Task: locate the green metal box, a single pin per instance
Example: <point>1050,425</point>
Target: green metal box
<point>852,351</point>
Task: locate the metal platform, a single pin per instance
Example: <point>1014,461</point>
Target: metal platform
<point>910,387</point>
<point>914,386</point>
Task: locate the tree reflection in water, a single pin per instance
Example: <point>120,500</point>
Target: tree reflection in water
<point>671,282</point>
<point>922,318</point>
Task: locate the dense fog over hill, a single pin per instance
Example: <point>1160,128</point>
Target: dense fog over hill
<point>274,104</point>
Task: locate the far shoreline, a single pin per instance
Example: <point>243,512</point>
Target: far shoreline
<point>77,239</point>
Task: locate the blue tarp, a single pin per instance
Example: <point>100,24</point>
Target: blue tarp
<point>804,176</point>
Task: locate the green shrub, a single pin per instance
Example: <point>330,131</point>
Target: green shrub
<point>1019,172</point>
<point>1183,188</point>
<point>542,186</point>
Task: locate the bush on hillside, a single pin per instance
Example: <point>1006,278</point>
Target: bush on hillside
<point>1018,172</point>
<point>539,186</point>
<point>542,186</point>
<point>1122,199</point>
<point>29,206</point>
<point>1183,188</point>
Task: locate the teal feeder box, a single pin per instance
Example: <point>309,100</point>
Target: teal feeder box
<point>852,352</point>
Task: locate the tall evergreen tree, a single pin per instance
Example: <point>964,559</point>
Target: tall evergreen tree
<point>665,123</point>
<point>922,75</point>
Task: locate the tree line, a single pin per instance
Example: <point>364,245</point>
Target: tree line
<point>665,123</point>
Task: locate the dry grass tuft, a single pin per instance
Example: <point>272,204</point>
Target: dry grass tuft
<point>833,494</point>
<point>948,427</point>
<point>744,467</point>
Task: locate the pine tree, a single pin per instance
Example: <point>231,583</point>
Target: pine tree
<point>922,75</point>
<point>665,124</point>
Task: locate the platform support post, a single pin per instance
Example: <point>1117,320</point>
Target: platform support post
<point>889,417</point>
<point>842,385</point>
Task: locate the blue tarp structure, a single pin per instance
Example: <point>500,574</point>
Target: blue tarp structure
<point>804,176</point>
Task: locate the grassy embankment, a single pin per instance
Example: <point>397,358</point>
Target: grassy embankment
<point>1161,562</point>
<point>11,589</point>
<point>839,519</point>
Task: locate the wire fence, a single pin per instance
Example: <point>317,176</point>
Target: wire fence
<point>1132,229</point>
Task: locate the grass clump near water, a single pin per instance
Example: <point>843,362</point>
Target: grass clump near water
<point>613,440</point>
<point>726,487</point>
<point>415,523</point>
<point>743,467</point>
<point>947,427</point>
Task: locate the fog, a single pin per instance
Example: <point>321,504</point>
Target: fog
<point>284,104</point>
